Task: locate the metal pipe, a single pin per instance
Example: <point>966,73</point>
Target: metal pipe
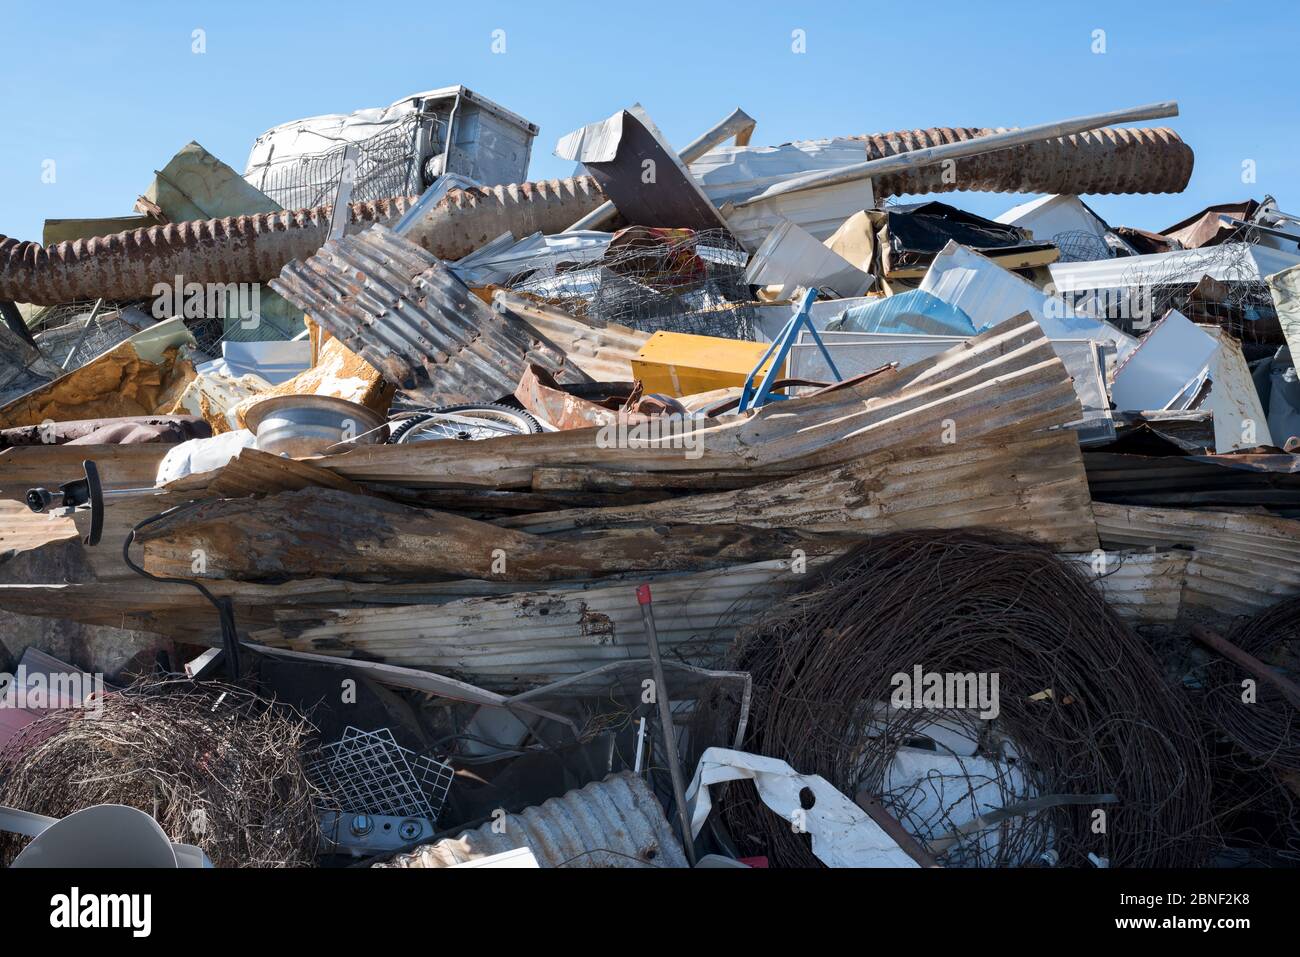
<point>666,720</point>
<point>85,331</point>
<point>1248,662</point>
<point>127,265</point>
<point>914,159</point>
<point>255,248</point>
<point>738,124</point>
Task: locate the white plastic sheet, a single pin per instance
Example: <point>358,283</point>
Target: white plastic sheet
<point>842,833</point>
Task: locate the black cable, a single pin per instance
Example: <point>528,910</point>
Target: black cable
<point>224,606</point>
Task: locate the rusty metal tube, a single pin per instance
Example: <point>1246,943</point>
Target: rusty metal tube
<point>1143,160</point>
<point>127,265</point>
<point>976,146</point>
<point>466,219</point>
<point>255,248</point>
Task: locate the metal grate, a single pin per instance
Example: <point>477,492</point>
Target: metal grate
<point>1238,302</point>
<point>59,330</point>
<point>676,280</point>
<point>385,167</point>
<point>368,772</point>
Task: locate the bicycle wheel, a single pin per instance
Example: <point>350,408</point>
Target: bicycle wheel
<point>464,423</point>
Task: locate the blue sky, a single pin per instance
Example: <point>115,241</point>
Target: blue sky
<point>111,91</point>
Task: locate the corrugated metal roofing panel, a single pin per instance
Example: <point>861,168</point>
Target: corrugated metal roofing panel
<point>616,822</point>
<point>407,314</point>
<point>1144,587</point>
<point>527,638</point>
<point>1007,378</point>
<point>1241,563</point>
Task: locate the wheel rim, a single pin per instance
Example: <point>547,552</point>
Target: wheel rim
<point>468,426</point>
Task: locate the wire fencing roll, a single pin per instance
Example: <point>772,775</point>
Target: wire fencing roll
<point>1100,753</point>
<point>215,765</point>
<point>1253,713</point>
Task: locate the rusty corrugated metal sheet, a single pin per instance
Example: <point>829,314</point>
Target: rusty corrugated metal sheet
<point>1031,485</point>
<point>1241,563</point>
<point>1006,378</point>
<point>605,353</point>
<point>524,639</point>
<point>616,822</point>
<point>127,265</point>
<point>403,311</point>
<point>1270,481</point>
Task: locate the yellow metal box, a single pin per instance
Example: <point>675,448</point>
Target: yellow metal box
<point>677,364</point>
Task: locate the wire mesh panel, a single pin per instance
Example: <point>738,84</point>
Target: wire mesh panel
<point>386,166</point>
<point>1236,299</point>
<point>368,772</point>
<point>677,280</point>
<point>63,329</point>
<point>1080,246</point>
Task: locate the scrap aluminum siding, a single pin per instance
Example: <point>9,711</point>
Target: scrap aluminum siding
<point>523,639</point>
<point>1241,563</point>
<point>404,312</point>
<point>990,294</point>
<point>617,822</point>
<point>791,258</point>
<point>1060,218</point>
<point>857,352</point>
<point>1228,262</point>
<point>1168,362</point>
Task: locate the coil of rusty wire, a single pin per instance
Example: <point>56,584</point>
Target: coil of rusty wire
<point>1262,723</point>
<point>214,764</point>
<point>1083,708</point>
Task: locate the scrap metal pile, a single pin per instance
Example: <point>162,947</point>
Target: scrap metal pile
<point>712,508</point>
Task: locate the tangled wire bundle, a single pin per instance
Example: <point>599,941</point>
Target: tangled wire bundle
<point>1264,724</point>
<point>215,765</point>
<point>1084,712</point>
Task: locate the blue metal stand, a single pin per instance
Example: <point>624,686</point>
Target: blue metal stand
<point>753,398</point>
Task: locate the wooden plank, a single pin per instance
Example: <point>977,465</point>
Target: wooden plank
<point>327,533</point>
<point>1030,485</point>
<point>49,466</point>
<point>21,528</point>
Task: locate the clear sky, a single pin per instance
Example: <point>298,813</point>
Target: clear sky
<point>110,91</point>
